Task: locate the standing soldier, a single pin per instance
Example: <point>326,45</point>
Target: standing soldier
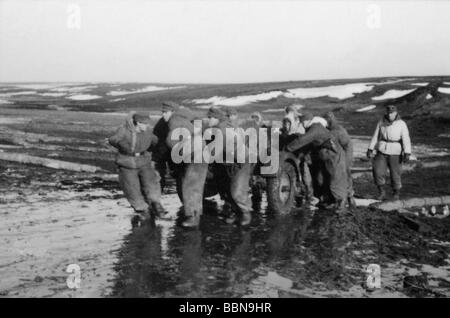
<point>137,176</point>
<point>238,186</point>
<point>161,151</point>
<point>330,154</point>
<point>294,116</point>
<point>190,177</point>
<point>393,145</point>
<point>342,136</point>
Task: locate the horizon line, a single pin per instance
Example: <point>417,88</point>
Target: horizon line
<point>225,83</point>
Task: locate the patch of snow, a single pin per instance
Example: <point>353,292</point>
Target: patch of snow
<point>12,120</point>
<point>4,101</point>
<point>38,86</point>
<point>57,107</point>
<point>117,99</point>
<point>336,91</point>
<point>114,114</point>
<point>420,84</point>
<point>429,96</point>
<point>146,89</point>
<point>445,90</point>
<point>343,91</point>
<point>391,81</point>
<point>18,93</point>
<point>73,89</point>
<point>238,100</point>
<point>366,109</point>
<point>393,93</point>
<point>83,97</point>
<point>52,94</point>
<point>273,110</point>
<point>365,202</point>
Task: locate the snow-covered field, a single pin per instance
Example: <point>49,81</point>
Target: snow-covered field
<point>238,100</point>
<point>341,92</point>
<point>445,90</point>
<point>146,89</point>
<point>366,109</point>
<point>393,93</point>
<point>336,91</point>
<point>83,97</point>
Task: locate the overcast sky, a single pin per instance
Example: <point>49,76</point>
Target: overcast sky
<point>221,41</point>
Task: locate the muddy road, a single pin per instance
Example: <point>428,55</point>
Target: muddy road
<point>51,219</point>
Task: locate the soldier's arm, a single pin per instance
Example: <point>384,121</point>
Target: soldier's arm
<point>374,140</point>
<point>344,138</point>
<point>115,139</point>
<point>155,140</point>
<point>304,140</point>
<point>406,140</point>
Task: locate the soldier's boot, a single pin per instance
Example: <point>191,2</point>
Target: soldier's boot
<point>192,220</point>
<point>231,218</point>
<point>351,202</point>
<point>381,194</point>
<point>226,211</point>
<point>311,203</point>
<point>159,211</point>
<point>396,195</point>
<point>135,221</point>
<point>246,218</point>
<point>340,206</point>
<point>140,217</point>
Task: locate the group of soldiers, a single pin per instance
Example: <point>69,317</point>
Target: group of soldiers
<point>326,152</point>
<point>324,147</point>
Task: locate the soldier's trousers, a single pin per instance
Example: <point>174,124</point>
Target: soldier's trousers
<point>305,169</point>
<point>381,163</point>
<point>349,164</point>
<point>233,181</point>
<point>140,186</point>
<point>193,178</point>
<point>335,171</point>
<point>240,186</point>
<point>161,167</point>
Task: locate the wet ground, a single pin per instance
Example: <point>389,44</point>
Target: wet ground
<point>53,219</point>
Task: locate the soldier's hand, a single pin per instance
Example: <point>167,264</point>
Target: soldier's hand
<point>369,153</point>
<point>406,157</point>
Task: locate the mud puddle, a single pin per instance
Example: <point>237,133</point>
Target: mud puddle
<point>52,220</point>
<point>310,254</point>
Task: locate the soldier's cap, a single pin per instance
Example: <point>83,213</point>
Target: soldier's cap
<point>391,108</point>
<point>293,108</point>
<point>169,106</point>
<point>216,112</point>
<point>306,117</point>
<point>230,111</point>
<point>143,118</point>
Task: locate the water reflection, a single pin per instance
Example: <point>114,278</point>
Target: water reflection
<point>215,260</point>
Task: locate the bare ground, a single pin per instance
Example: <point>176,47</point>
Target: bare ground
<point>53,218</point>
